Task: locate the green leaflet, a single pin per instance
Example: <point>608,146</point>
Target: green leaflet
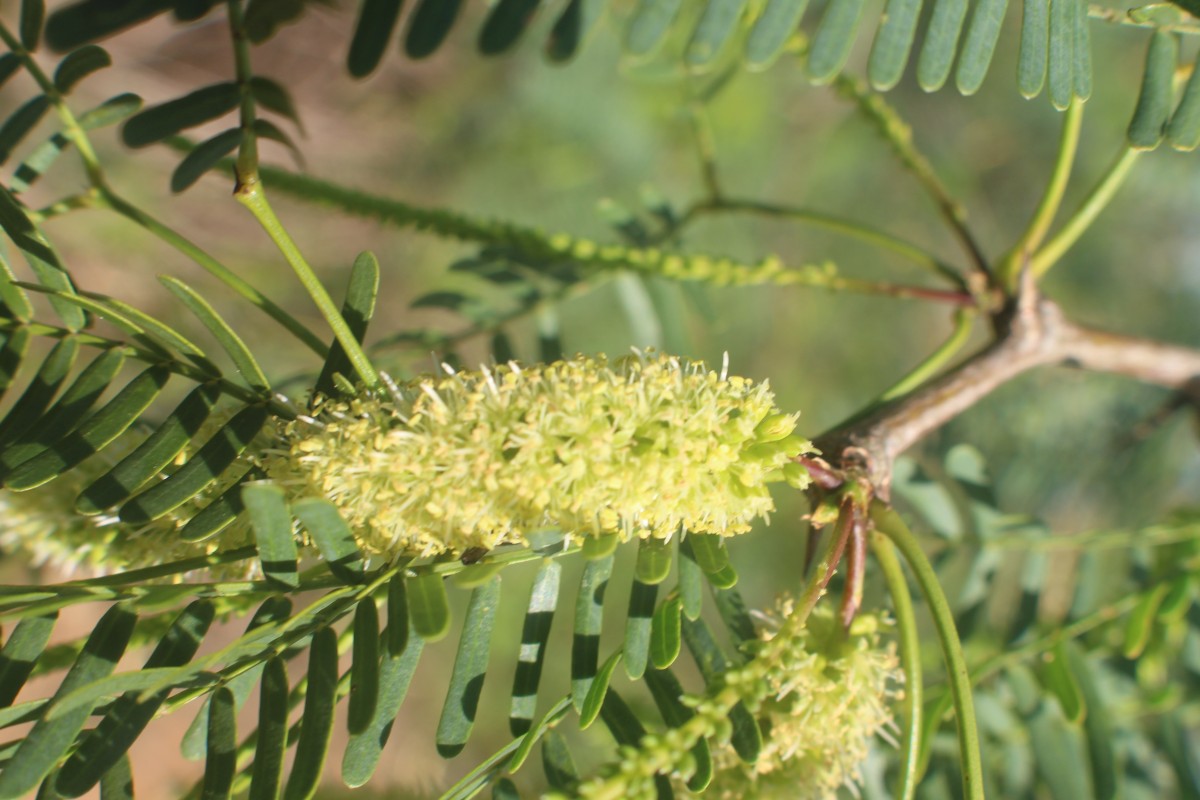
<point>717,24</point>
<point>357,310</point>
<point>364,666</point>
<point>1061,56</point>
<point>589,621</point>
<point>72,25</point>
<point>93,434</point>
<point>625,728</point>
<point>217,454</point>
<point>267,773</point>
<point>21,651</point>
<point>649,24</point>
<point>158,122</point>
<point>33,17</point>
<point>893,43</point>
<point>221,765</point>
<point>1083,52</point>
<point>152,455</point>
<point>78,64</point>
<point>638,627</point>
<point>333,537</point>
<point>20,123</point>
<point>1154,102</point>
<point>46,743</point>
<point>668,693</point>
<point>366,746</point>
<point>941,42</point>
<point>251,373</point>
<point>774,26</point>
<point>1035,40</point>
<point>376,22</point>
<point>470,669</point>
<point>128,716</point>
<point>735,615</point>
<point>561,772</point>
<point>316,726</point>
<point>429,25</point>
<point>653,560</point>
<point>571,27</point>
<point>1183,132</point>
<point>271,521</point>
<point>117,783</point>
<point>977,50</point>
<point>535,633</point>
<point>204,157</point>
<point>712,662</point>
<point>396,634</point>
<point>598,691</point>
<point>833,39</point>
<point>218,514</point>
<point>665,639</point>
<point>709,553</point>
<point>428,606</point>
<point>505,23</point>
<point>690,582</point>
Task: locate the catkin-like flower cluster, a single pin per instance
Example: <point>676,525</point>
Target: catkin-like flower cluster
<point>645,446</point>
<point>827,694</point>
<point>819,694</point>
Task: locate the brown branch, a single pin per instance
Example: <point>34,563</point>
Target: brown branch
<point>1033,334</point>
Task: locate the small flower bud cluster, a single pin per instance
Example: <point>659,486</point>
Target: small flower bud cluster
<point>819,693</point>
<point>644,447</point>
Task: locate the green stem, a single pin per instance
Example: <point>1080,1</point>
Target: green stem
<point>247,160</point>
<point>842,225</point>
<point>1051,201</point>
<point>964,320</point>
<point>910,663</point>
<point>252,197</point>
<point>109,199</point>
<point>706,148</point>
<point>888,523</point>
<point>1096,202</point>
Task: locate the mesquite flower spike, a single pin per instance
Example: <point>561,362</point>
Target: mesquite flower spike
<point>644,446</point>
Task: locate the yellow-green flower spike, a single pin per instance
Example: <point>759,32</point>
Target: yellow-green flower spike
<point>645,446</point>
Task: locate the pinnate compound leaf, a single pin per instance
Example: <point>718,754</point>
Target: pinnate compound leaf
<point>167,119</point>
<point>470,669</point>
<point>40,750</point>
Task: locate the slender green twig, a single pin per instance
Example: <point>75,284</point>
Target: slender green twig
<point>866,233</point>
<point>1079,222</point>
<point>910,663</point>
<point>888,523</point>
<point>1043,217</point>
<point>247,160</point>
<point>964,319</point>
<point>898,134</point>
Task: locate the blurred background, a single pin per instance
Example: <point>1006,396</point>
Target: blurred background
<point>518,139</point>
